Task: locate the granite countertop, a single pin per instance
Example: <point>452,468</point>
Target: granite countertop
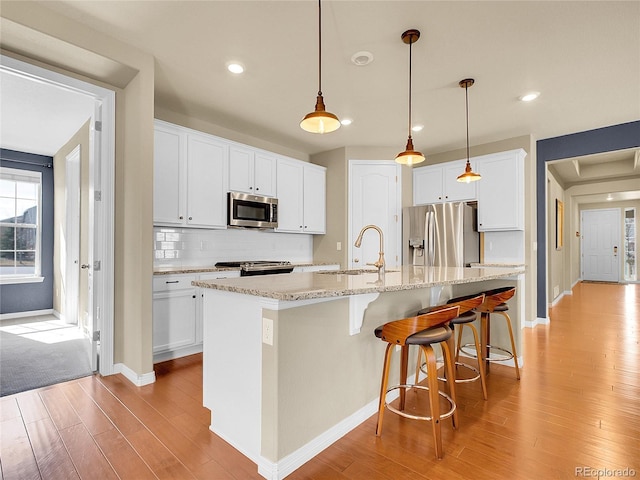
<point>305,286</point>
<point>183,269</point>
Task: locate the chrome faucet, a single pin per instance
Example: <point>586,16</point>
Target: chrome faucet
<point>380,263</point>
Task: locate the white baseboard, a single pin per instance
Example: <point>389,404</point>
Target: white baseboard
<point>282,468</point>
<point>133,377</point>
<point>32,313</point>
<point>57,314</point>
<point>180,352</point>
<point>536,322</point>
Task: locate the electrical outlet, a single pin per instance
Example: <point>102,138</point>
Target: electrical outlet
<point>338,246</point>
<point>267,331</point>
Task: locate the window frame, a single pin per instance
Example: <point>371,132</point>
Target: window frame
<point>36,277</point>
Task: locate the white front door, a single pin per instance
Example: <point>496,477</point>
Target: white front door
<point>374,198</point>
<point>600,245</point>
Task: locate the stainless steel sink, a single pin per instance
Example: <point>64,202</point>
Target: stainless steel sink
<point>358,271</point>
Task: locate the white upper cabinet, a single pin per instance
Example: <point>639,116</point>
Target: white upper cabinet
<point>301,197</point>
<point>169,175</point>
<point>206,180</point>
<point>501,191</point>
<point>252,171</point>
<point>438,184</point>
<point>190,178</point>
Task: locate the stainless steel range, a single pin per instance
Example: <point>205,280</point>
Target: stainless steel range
<point>258,267</point>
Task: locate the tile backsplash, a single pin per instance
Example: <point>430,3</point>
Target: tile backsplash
<point>199,247</point>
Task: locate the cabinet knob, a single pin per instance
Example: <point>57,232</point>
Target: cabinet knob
<point>194,296</point>
<point>190,218</point>
<point>446,196</point>
<point>250,188</point>
<point>257,188</point>
<point>305,226</point>
<point>181,217</point>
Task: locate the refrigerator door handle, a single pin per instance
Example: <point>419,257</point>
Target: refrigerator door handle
<point>430,240</point>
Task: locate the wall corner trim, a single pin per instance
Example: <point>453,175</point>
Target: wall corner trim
<point>133,377</point>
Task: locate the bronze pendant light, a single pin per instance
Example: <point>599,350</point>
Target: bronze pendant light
<point>320,121</point>
<point>469,175</point>
<point>410,156</point>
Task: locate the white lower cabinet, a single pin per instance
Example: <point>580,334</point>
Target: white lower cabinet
<point>177,314</point>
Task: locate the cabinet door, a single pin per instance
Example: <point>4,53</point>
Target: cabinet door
<point>454,190</point>
<point>314,200</point>
<point>264,174</point>
<point>174,320</point>
<point>240,169</point>
<point>168,176</point>
<point>207,186</point>
<point>290,176</point>
<point>427,185</point>
<point>500,191</point>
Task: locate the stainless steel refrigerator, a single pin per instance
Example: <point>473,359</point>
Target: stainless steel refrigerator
<point>443,234</point>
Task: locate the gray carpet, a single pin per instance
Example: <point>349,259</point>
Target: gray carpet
<point>26,364</point>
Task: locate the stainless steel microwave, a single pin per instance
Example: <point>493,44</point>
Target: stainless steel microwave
<point>246,210</point>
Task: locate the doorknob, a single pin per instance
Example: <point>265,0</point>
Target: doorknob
<point>356,260</point>
<point>615,250</point>
<point>84,266</point>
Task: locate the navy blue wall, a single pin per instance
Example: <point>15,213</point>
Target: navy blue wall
<point>607,139</point>
<point>24,297</point>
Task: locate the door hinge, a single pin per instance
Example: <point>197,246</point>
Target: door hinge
<point>96,336</point>
<point>97,196</point>
<point>98,126</point>
<point>96,266</point>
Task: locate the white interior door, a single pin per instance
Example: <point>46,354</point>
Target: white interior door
<point>374,198</point>
<point>600,244</point>
<point>70,252</point>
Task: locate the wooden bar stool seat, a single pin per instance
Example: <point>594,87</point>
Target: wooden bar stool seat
<point>495,302</point>
<point>467,316</point>
<point>424,331</point>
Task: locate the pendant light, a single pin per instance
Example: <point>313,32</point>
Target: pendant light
<point>469,175</point>
<point>410,156</point>
<point>320,121</point>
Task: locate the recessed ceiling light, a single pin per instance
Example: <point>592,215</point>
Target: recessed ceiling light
<point>235,67</point>
<point>362,58</point>
<point>417,128</point>
<point>529,97</point>
<point>346,121</point>
<point>609,197</point>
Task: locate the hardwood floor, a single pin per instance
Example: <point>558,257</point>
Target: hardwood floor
<point>576,406</point>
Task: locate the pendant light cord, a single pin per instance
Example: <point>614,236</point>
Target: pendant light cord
<point>466,96</point>
<point>410,44</point>
<point>319,49</point>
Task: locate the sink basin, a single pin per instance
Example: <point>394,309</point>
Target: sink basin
<point>357,271</point>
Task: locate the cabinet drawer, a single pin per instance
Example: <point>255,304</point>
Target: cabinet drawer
<point>216,275</point>
<point>163,283</point>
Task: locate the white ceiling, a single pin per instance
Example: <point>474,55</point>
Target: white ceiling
<point>583,56</point>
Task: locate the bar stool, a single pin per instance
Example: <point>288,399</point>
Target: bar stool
<point>495,302</point>
<point>423,330</point>
<point>466,318</point>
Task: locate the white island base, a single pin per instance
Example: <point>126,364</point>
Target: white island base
<point>282,404</point>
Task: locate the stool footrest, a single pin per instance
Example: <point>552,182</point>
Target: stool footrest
<point>458,364</point>
<point>503,358</point>
<point>421,417</point>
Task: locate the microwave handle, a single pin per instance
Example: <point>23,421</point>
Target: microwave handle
<point>274,213</point>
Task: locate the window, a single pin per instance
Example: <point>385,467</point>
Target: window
<point>20,201</point>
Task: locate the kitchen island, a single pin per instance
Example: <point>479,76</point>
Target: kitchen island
<point>291,363</point>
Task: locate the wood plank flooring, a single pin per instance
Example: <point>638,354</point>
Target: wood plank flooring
<point>577,406</point>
